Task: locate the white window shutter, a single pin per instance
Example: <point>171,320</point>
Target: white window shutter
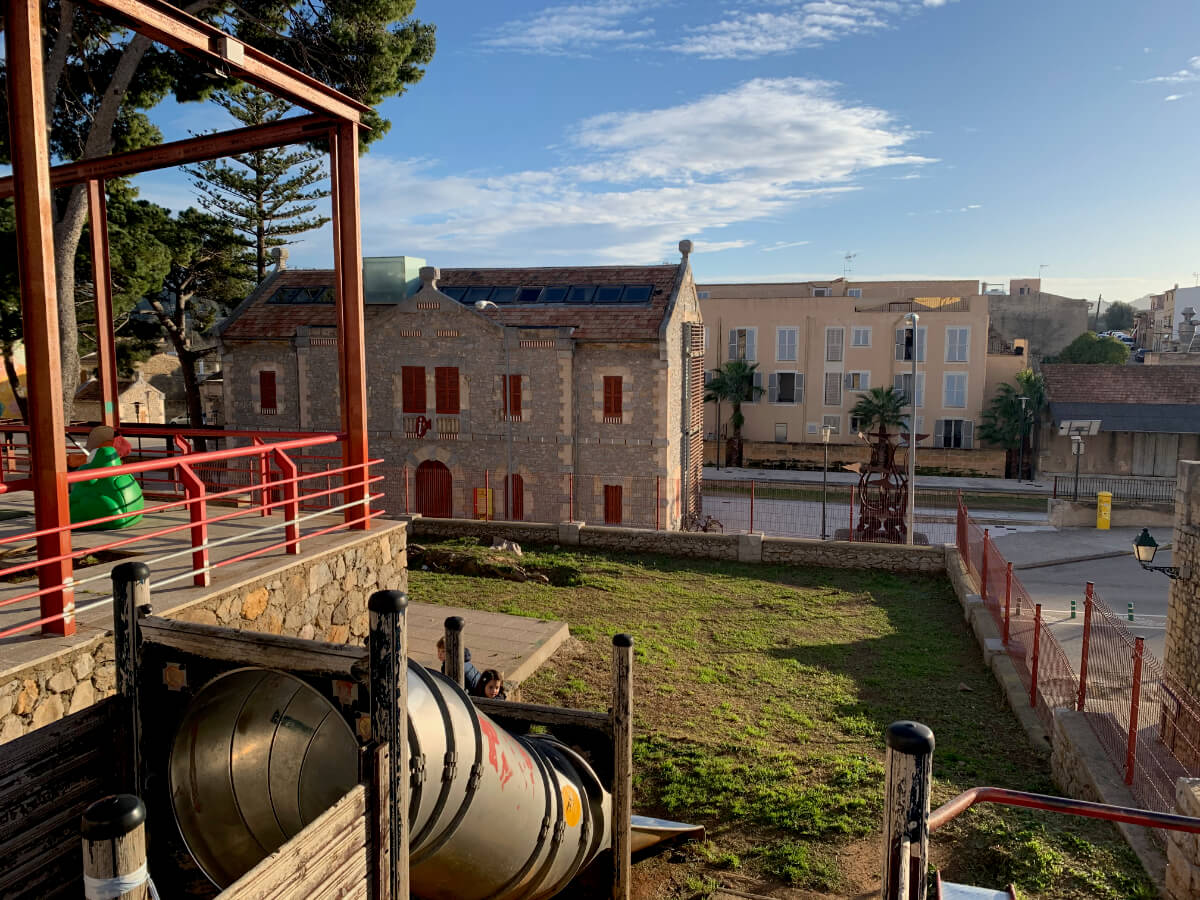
<point>848,381</point>
<point>968,434</point>
<point>750,351</point>
<point>938,428</point>
<point>900,343</point>
<point>733,335</point>
<point>921,345</point>
<point>773,388</point>
<point>799,395</point>
<point>898,384</point>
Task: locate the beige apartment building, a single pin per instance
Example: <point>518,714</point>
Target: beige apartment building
<point>820,345</point>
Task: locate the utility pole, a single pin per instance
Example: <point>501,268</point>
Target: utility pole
<point>1099,303</point>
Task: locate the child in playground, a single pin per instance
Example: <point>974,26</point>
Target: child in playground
<point>491,684</point>
<point>470,673</point>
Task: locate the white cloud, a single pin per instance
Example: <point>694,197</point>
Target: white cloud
<point>577,29</point>
<point>1171,98</point>
<point>748,32</point>
<point>636,182</point>
<point>783,245</point>
<point>1191,72</point>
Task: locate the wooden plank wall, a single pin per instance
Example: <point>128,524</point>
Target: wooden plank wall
<point>328,859</point>
<point>47,779</point>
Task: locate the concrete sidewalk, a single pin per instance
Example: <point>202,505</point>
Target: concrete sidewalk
<point>1070,545</point>
<point>939,482</point>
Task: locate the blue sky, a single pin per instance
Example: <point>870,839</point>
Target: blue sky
<point>931,138</point>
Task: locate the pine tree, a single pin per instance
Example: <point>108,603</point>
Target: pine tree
<point>268,195</point>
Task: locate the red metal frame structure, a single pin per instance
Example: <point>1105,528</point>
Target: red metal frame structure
<point>334,115</point>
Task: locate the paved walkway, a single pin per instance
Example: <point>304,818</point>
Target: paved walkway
<point>1055,565</point>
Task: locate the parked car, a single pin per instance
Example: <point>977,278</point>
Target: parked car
<point>1139,356</point>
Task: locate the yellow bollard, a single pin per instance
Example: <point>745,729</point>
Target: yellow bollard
<point>1103,510</point>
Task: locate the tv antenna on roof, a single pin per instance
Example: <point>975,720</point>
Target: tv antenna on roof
<point>848,264</point>
<point>1196,275</point>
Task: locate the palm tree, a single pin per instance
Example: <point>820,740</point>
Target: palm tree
<point>733,383</point>
<point>1004,423</point>
<point>881,406</point>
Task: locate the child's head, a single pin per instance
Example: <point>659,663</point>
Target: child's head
<point>492,683</point>
<point>441,649</point>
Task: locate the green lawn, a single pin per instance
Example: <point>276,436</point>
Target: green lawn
<point>761,694</point>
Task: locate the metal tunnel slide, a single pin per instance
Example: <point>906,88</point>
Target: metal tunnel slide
<point>260,754</point>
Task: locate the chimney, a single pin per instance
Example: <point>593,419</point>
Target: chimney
<point>685,247</point>
<point>279,256</point>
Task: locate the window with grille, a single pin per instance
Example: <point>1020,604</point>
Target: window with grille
<point>954,433</point>
<point>955,394</point>
<point>834,338</point>
<point>741,343</point>
<point>833,388</point>
<point>854,292</point>
<point>511,403</point>
<point>785,344</point>
<point>613,398</point>
<point>820,292</point>
<point>267,395</point>
<point>785,387</point>
<point>957,341</point>
<point>612,504</point>
<point>834,422</point>
<point>902,384</point>
<point>904,344</point>
<point>860,337</point>
<point>412,388</point>
<point>446,383</point>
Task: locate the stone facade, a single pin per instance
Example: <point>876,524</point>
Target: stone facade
<point>1183,850</point>
<point>322,597</point>
<point>1181,654</point>
<point>436,451</point>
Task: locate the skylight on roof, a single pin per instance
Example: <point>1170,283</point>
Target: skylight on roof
<point>554,295</point>
<point>637,293</point>
<point>475,294</point>
<point>454,293</point>
<point>294,295</point>
<point>504,295</point>
<point>529,294</point>
<point>609,293</point>
<point>581,293</point>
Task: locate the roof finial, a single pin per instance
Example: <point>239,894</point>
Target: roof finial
<point>685,247</point>
<point>429,277</point>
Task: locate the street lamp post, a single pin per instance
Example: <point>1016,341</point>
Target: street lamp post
<point>1144,548</point>
<point>1021,441</point>
<point>910,517</point>
<point>1077,452</point>
<point>826,433</point>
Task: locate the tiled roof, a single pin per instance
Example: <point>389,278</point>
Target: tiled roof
<point>91,389</point>
<point>256,319</point>
<point>1122,384</point>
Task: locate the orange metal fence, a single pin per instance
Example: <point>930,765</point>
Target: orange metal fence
<point>295,482</point>
<point>1148,724</point>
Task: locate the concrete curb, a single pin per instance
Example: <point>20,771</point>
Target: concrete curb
<point>1068,560</point>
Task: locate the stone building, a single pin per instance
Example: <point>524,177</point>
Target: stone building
<point>1048,321</point>
<point>138,401</point>
<point>1149,418</point>
<point>585,383</point>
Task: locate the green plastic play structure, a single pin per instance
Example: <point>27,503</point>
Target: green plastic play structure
<point>106,496</point>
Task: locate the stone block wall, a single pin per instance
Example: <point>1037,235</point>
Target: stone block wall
<point>322,596</point>
<point>1183,850</point>
<point>1182,647</point>
<point>853,555</point>
<point>672,543</point>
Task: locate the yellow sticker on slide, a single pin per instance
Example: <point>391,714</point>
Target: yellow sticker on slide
<point>572,807</point>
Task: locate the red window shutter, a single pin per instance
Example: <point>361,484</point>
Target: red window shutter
<point>612,396</point>
<point>266,392</point>
<point>412,379</point>
<point>514,396</point>
<point>446,382</point>
<point>612,504</point>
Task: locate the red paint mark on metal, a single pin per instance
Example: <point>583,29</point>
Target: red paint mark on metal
<point>489,732</point>
<point>506,772</point>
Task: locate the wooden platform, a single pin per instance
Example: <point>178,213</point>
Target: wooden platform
<point>515,645</point>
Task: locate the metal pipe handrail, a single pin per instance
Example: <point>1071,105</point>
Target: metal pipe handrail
<point>1065,805</point>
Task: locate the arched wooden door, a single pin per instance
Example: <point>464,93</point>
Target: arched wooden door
<point>435,490</point>
<point>517,502</point>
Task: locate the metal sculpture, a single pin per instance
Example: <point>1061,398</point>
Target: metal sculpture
<point>882,493</point>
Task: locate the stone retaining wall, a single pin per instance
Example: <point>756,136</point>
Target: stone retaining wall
<point>319,596</point>
<point>1069,514</point>
<point>696,545</point>
<point>854,555</point>
<point>1183,850</point>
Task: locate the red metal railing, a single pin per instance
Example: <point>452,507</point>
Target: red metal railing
<point>1148,723</point>
<point>275,485</point>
